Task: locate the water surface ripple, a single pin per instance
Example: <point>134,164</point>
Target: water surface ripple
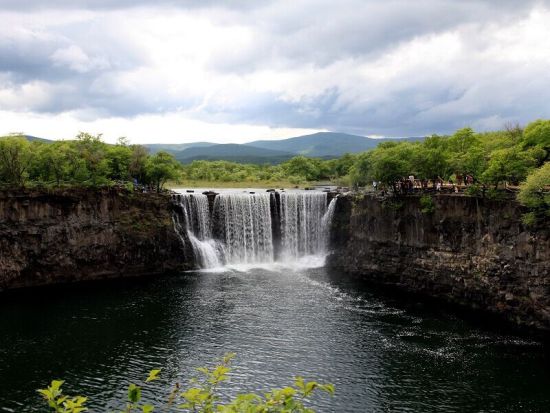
<point>383,355</point>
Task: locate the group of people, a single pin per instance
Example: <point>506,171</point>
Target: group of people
<point>410,184</point>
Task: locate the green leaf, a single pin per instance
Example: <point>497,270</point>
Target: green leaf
<point>134,393</point>
<point>299,383</point>
<point>310,386</point>
<point>192,394</point>
<point>56,384</point>
<point>329,388</point>
<point>153,375</point>
<point>46,393</point>
<point>147,408</point>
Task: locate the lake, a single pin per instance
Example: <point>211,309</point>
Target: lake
<point>382,354</point>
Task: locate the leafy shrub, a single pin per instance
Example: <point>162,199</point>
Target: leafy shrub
<point>535,191</point>
<point>474,190</point>
<point>201,397</point>
<point>427,205</point>
<point>529,219</point>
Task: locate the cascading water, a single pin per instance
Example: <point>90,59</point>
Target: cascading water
<point>198,215</point>
<point>302,231</point>
<point>197,221</point>
<point>256,228</point>
<point>326,223</point>
<point>243,224</point>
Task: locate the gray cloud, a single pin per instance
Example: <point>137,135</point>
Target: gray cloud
<point>321,32</point>
<point>26,5</point>
<point>84,65</point>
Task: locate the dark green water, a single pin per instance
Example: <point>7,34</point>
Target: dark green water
<point>383,355</point>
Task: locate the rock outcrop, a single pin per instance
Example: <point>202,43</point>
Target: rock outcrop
<point>468,251</point>
<point>74,235</point>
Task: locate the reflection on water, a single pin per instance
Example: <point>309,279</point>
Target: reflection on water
<point>281,321</point>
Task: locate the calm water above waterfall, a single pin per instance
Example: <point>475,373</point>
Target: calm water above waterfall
<point>381,355</point>
<point>265,296</point>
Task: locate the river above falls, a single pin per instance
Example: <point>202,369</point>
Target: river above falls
<point>381,354</point>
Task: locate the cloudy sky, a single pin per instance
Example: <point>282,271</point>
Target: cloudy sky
<point>238,70</point>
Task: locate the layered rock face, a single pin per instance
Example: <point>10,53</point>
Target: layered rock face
<point>73,235</point>
<point>469,251</point>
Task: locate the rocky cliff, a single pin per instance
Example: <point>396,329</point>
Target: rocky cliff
<point>467,251</point>
<point>73,235</point>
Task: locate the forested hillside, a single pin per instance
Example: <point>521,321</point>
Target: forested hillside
<point>485,161</point>
<point>324,144</point>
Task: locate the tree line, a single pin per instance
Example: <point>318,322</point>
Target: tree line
<point>490,160</point>
<point>84,161</point>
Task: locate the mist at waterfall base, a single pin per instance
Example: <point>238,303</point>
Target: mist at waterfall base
<point>273,304</point>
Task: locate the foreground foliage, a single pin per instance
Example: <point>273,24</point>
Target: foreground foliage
<point>202,396</point>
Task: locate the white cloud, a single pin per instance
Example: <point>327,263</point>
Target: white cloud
<point>74,58</point>
<point>161,128</point>
<point>234,73</point>
<point>26,97</point>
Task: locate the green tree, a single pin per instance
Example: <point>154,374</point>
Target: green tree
<point>509,165</point>
<point>93,150</point>
<point>340,167</point>
<point>118,159</point>
<point>15,159</point>
<point>160,168</point>
<point>361,170</point>
<point>300,166</point>
<point>53,163</point>
<point>466,153</point>
<point>535,191</point>
<point>462,139</point>
<point>392,162</point>
<point>431,160</point>
<point>537,133</point>
<point>138,162</point>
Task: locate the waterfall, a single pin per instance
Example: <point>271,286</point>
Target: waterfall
<point>243,224</point>
<point>302,229</point>
<point>197,222</point>
<point>255,228</point>
<point>326,223</point>
<point>197,215</point>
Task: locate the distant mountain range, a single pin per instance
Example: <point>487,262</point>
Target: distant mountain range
<point>233,152</point>
<point>35,139</point>
<point>324,145</point>
<point>176,147</point>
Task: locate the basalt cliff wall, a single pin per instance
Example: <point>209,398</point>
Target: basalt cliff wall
<point>468,251</point>
<point>76,235</point>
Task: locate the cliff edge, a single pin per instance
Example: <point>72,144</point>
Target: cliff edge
<point>86,234</point>
<point>468,251</point>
